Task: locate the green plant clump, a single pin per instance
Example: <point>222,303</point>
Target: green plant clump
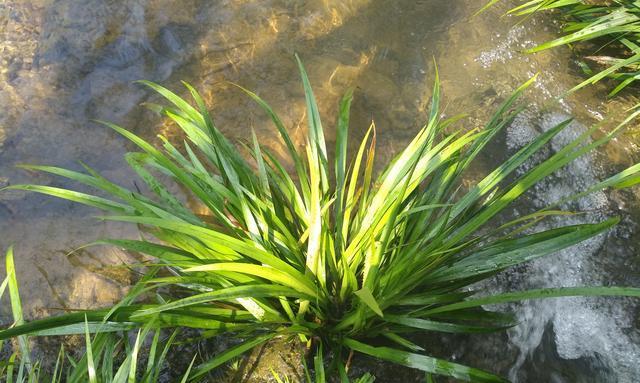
<point>334,255</point>
<point>615,24</point>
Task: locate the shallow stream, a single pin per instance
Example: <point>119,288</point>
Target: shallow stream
<point>66,62</point>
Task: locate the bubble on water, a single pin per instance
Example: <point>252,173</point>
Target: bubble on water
<point>505,48</point>
<point>521,131</point>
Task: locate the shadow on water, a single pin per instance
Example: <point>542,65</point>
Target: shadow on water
<point>66,63</point>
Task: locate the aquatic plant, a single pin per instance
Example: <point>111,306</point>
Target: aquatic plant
<point>332,254</point>
<point>108,358</point>
<point>614,24</point>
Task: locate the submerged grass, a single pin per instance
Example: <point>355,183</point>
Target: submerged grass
<point>333,254</point>
<point>613,25</point>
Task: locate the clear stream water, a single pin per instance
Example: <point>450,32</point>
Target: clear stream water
<point>65,62</point>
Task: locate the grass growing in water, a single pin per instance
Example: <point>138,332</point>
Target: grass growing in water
<point>614,24</point>
<point>108,358</point>
<point>333,255</point>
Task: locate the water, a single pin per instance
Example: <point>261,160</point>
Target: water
<point>583,328</point>
<point>65,63</point>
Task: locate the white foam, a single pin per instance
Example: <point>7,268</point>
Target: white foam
<point>584,327</point>
<point>505,48</point>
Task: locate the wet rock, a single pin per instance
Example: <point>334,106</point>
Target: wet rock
<point>379,87</point>
<point>279,355</point>
<point>173,40</point>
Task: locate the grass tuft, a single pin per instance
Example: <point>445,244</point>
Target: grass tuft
<point>332,254</point>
